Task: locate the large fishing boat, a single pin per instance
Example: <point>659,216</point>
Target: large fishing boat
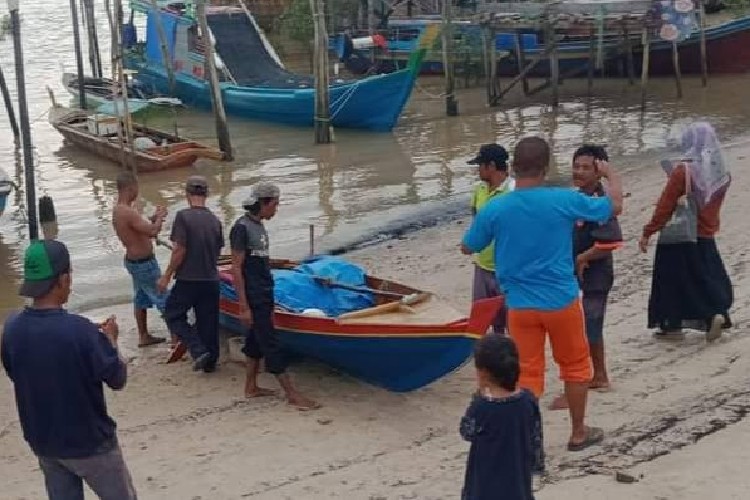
<point>254,82</point>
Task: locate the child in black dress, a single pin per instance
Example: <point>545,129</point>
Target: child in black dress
<point>503,425</point>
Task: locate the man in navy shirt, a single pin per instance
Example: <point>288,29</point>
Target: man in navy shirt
<point>58,362</point>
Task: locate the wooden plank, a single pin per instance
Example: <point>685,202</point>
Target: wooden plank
<point>645,67</point>
<point>676,66</point>
<point>521,60</point>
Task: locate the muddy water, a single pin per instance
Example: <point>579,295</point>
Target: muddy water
<point>348,190</point>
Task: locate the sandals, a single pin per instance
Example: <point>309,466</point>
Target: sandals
<point>594,435</point>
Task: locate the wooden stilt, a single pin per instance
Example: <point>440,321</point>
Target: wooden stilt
<point>704,57</point>
<point>592,61</point>
<point>628,53</point>
<point>9,106</point>
<point>222,131</point>
<point>451,105</point>
<point>322,97</point>
<point>493,65</point>
<point>79,56</point>
<point>115,54</point>
<point>93,44</point>
<point>677,72</point>
<point>554,65</point>
<point>646,43</point>
<point>521,61</point>
<point>165,56</point>
<point>488,47</point>
<point>23,112</point>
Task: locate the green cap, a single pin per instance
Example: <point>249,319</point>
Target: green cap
<point>43,263</point>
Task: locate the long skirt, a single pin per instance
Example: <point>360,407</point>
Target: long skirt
<point>689,286</point>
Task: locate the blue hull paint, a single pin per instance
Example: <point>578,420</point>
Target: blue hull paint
<point>374,103</point>
<point>395,364</point>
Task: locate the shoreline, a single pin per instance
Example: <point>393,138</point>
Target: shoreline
<point>674,404</point>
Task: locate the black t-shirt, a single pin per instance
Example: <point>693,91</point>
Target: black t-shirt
<point>249,235</point>
<point>58,362</point>
<point>506,447</point>
<point>599,276</point>
<point>199,232</point>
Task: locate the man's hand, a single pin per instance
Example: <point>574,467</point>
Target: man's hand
<point>643,244</point>
<point>246,316</point>
<point>163,283</point>
<point>111,330</point>
<point>159,214</point>
<point>582,263</point>
<point>603,168</point>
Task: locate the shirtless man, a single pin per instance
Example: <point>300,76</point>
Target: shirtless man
<point>136,234</point>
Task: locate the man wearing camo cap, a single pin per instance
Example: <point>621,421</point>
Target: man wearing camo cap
<point>251,269</point>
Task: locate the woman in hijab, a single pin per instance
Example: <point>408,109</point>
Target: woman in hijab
<point>690,287</point>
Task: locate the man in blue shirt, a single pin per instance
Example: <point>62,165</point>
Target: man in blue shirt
<point>58,362</point>
<point>532,228</point>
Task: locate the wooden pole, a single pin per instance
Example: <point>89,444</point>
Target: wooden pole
<point>93,43</point>
<point>23,112</point>
<point>312,239</point>
<point>521,61</point>
<point>115,91</point>
<point>628,53</point>
<point>646,43</point>
<point>451,104</point>
<point>322,118</point>
<point>592,61</point>
<point>677,72</point>
<point>487,40</point>
<point>493,64</point>
<point>79,56</point>
<point>122,84</point>
<point>166,58</point>
<point>222,131</point>
<point>554,64</point>
<point>9,106</point>
<point>704,56</point>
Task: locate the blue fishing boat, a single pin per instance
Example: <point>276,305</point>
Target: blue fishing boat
<point>254,83</point>
<point>384,333</point>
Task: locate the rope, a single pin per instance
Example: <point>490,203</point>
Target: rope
<point>345,96</point>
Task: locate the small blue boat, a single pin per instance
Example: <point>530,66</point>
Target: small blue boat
<point>254,83</point>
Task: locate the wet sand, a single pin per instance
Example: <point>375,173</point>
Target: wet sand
<point>669,418</point>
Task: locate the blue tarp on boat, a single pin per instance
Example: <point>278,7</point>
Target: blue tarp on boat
<point>297,290</point>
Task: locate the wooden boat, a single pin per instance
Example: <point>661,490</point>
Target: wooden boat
<point>392,345</point>
<point>155,150</point>
<point>255,84</point>
<point>99,94</point>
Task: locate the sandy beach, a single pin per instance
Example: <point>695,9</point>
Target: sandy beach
<point>675,416</point>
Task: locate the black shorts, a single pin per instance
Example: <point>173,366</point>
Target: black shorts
<point>262,341</point>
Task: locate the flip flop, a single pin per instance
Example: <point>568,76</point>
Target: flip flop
<point>594,435</point>
<point>152,341</point>
<point>714,330</point>
<point>177,353</point>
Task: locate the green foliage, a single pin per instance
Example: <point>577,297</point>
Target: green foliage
<point>297,22</point>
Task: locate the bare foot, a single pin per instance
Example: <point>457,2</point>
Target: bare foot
<point>559,403</point>
<point>259,392</point>
<point>150,340</point>
<point>600,385</point>
<point>303,404</point>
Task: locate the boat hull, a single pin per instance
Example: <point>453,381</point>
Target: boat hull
<point>373,103</point>
<point>397,357</point>
<point>727,51</point>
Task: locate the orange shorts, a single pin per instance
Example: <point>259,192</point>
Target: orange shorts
<point>567,334</point>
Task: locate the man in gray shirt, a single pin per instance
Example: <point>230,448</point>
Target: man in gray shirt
<point>197,239</point>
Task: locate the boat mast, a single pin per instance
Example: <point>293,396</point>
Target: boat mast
<point>23,111</point>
